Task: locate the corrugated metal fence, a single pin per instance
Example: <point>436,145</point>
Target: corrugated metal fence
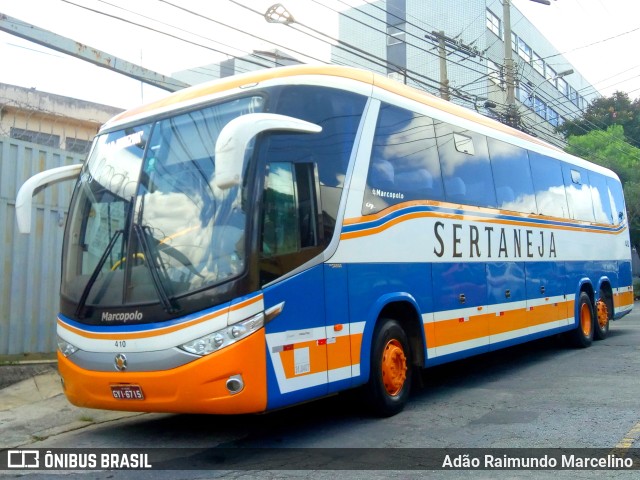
<point>30,264</point>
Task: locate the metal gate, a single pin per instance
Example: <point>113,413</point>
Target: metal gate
<point>30,264</point>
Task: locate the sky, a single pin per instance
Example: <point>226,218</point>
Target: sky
<point>596,36</point>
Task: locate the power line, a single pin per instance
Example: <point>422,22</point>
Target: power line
<point>154,30</point>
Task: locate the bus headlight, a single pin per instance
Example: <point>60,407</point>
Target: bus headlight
<point>225,337</point>
<point>67,349</point>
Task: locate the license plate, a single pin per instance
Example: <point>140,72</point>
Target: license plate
<point>127,392</point>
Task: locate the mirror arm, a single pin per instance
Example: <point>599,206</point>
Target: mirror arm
<point>28,188</point>
<point>235,137</point>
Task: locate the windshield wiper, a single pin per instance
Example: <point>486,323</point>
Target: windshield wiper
<point>95,273</point>
<point>157,270</point>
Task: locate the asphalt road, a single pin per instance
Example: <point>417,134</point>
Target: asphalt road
<point>540,395</point>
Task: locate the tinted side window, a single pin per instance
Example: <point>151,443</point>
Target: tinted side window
<point>512,177</point>
<point>548,183</point>
<point>616,199</point>
<point>600,198</point>
<point>404,162</point>
<point>576,182</point>
<point>466,169</point>
<point>338,113</point>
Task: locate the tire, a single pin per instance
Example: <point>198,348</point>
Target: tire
<point>390,378</point>
<point>603,317</point>
<point>582,335</point>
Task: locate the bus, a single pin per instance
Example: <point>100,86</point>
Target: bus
<point>283,235</point>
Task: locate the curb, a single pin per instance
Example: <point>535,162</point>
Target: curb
<point>17,372</point>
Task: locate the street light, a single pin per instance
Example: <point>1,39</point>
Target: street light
<point>278,13</point>
<point>551,79</point>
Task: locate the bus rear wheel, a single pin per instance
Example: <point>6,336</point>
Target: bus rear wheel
<point>390,379</point>
<point>582,335</point>
<point>602,318</point>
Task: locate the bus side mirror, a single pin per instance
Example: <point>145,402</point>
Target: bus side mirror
<point>235,137</point>
<point>28,189</point>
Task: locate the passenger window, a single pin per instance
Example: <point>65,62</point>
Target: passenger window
<point>291,232</point>
<point>600,198</point>
<point>616,199</point>
<point>548,183</point>
<point>338,113</point>
<point>512,177</point>
<point>404,163</point>
<point>578,193</point>
<point>464,144</point>
<point>466,169</point>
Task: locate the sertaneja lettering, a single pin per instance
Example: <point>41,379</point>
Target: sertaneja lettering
<point>502,243</point>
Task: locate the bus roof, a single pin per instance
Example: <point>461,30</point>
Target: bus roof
<point>202,92</point>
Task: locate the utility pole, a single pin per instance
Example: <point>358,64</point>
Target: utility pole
<point>444,80</point>
<point>511,115</point>
<point>454,45</point>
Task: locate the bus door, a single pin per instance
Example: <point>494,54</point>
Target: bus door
<point>290,238</point>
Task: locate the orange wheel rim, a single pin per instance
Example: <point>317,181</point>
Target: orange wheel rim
<point>394,367</point>
<point>603,313</point>
<point>585,319</point>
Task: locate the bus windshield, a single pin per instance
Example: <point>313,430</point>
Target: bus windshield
<point>147,223</point>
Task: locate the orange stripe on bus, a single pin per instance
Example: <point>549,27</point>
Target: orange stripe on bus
<point>451,331</point>
<point>624,299</point>
<point>414,215</point>
<point>246,303</point>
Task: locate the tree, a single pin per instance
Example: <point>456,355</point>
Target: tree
<point>604,112</point>
<point>610,149</point>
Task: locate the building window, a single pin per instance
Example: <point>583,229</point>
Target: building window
<point>552,117</point>
<point>494,73</point>
<point>524,50</point>
<point>540,107</point>
<point>573,95</point>
<point>551,74</point>
<point>523,93</point>
<point>563,86</point>
<point>538,63</point>
<point>77,145</point>
<point>494,24</point>
<point>41,138</point>
<point>396,34</point>
<point>514,42</point>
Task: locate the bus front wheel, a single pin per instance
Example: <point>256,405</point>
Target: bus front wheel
<point>582,335</point>
<point>390,379</point>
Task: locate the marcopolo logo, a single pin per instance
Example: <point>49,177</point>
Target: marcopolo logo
<point>122,316</point>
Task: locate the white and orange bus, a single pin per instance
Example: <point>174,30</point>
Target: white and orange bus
<point>279,236</point>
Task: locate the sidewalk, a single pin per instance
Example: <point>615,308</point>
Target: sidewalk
<point>35,409</point>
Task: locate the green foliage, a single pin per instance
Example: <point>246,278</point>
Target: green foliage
<point>610,149</point>
<point>604,112</point>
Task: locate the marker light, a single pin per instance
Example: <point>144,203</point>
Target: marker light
<point>66,348</point>
<point>225,337</point>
